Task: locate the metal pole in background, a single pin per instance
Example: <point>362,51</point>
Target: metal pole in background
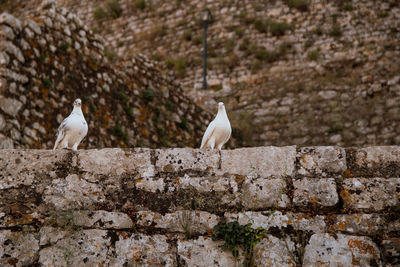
<point>205,55</point>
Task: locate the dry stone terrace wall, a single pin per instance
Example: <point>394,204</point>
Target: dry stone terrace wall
<point>327,206</point>
<point>50,57</point>
<point>331,79</point>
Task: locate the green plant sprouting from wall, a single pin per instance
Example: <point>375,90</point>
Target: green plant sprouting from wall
<point>238,236</point>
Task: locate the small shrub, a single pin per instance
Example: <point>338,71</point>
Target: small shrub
<point>239,32</point>
<point>308,43</point>
<point>183,124</point>
<point>128,111</point>
<point>99,13</point>
<point>318,30</point>
<point>335,31</point>
<point>110,53</point>
<point>148,95</point>
<point>301,5</point>
<point>64,46</point>
<point>122,96</point>
<point>114,8</point>
<point>47,82</point>
<point>348,7</point>
<point>140,4</point>
<point>179,65</point>
<point>260,25</point>
<point>265,55</point>
<point>186,222</point>
<point>120,43</point>
<point>232,61</point>
<point>255,65</point>
<point>283,48</point>
<point>187,35</point>
<point>313,55</point>
<point>229,45</point>
<point>120,133</point>
<point>279,28</point>
<point>383,14</point>
<point>198,39</point>
<point>239,236</point>
<point>169,105</point>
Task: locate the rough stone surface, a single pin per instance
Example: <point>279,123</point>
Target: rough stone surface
<point>18,248</point>
<point>324,249</point>
<point>382,161</point>
<point>181,159</point>
<point>73,192</point>
<point>370,193</point>
<point>321,161</point>
<point>184,221</point>
<point>264,193</point>
<point>139,249</point>
<point>391,251</point>
<point>204,252</point>
<point>360,224</point>
<point>272,251</point>
<point>113,161</point>
<point>115,207</point>
<point>102,219</point>
<point>266,220</point>
<point>315,191</point>
<point>262,161</point>
<point>81,248</point>
<point>10,106</point>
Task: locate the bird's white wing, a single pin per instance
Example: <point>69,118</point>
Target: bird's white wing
<point>229,135</point>
<point>61,131</point>
<point>207,134</point>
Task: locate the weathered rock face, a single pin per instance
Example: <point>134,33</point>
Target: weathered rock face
<point>50,58</point>
<point>118,207</point>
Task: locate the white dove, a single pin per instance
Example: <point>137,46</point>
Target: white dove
<point>73,129</point>
<point>218,131</point>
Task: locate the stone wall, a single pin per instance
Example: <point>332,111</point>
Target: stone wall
<point>321,206</point>
<point>49,57</point>
<point>332,77</point>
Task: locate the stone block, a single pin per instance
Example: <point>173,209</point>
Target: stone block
<point>264,193</point>
<point>22,167</point>
<point>376,161</point>
<point>80,248</point>
<point>182,221</point>
<point>272,251</point>
<point>209,183</point>
<point>72,193</point>
<point>266,220</point>
<point>262,161</point>
<point>150,184</point>
<point>359,224</point>
<point>102,219</point>
<point>326,250</point>
<point>204,252</point>
<point>313,191</point>
<point>322,161</point>
<point>115,161</point>
<point>18,248</point>
<point>370,193</point>
<point>143,250</point>
<point>391,251</point>
<point>183,159</point>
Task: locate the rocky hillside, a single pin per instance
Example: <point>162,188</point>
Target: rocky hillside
<point>292,71</point>
<point>51,57</point>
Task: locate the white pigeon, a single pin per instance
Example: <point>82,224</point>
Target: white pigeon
<point>218,131</point>
<point>73,129</point>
